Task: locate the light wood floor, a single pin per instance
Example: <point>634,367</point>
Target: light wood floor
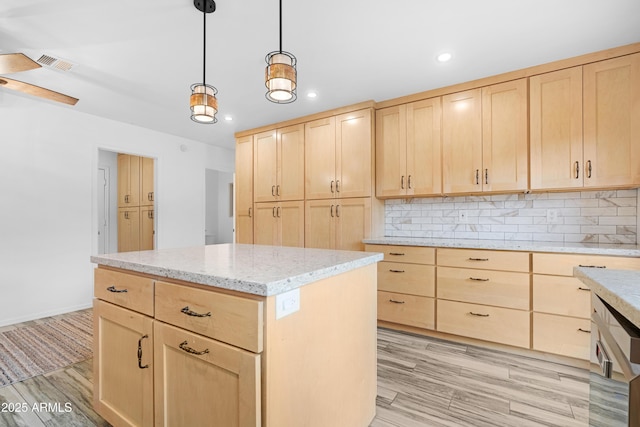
<point>421,382</point>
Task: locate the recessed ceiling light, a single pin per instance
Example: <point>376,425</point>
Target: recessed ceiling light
<point>228,118</point>
<point>312,94</point>
<point>444,57</point>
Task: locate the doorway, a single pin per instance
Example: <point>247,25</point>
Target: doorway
<point>104,223</point>
<point>218,207</point>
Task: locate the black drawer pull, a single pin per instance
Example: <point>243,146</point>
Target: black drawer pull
<point>396,302</point>
<point>584,289</point>
<point>478,314</point>
<point>183,345</point>
<point>478,259</point>
<point>117,291</point>
<point>477,279</point>
<point>396,271</point>
<point>396,253</point>
<point>592,266</point>
<point>584,330</point>
<point>188,312</point>
<point>140,352</point>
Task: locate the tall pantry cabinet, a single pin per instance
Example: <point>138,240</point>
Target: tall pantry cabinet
<point>136,199</point>
<point>308,182</point>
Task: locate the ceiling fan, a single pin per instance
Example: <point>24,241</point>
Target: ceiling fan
<point>17,62</point>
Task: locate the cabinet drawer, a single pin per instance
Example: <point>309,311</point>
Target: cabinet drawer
<point>561,295</point>
<point>410,254</point>
<point>567,336</point>
<point>485,260</point>
<point>501,325</point>
<point>563,264</point>
<point>126,290</point>
<point>231,319</point>
<point>499,288</point>
<point>406,309</point>
<point>413,279</point>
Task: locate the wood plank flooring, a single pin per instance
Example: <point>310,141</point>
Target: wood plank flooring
<point>422,381</point>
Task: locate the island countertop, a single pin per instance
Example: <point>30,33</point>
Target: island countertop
<point>255,269</point>
<point>619,288</point>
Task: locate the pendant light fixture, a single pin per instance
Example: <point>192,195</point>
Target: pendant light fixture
<point>204,104</point>
<point>280,75</point>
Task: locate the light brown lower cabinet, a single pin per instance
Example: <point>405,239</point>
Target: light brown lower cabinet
<point>135,228</point>
<point>483,322</point>
<point>122,382</point>
<point>192,371</point>
<point>522,299</point>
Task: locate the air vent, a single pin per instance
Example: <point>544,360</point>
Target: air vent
<point>57,63</point>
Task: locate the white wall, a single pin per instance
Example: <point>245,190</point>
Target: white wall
<point>48,219</point>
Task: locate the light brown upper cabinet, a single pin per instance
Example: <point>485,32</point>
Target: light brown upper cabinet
<point>408,144</point>
<point>147,195</point>
<point>584,126</point>
<point>339,156</point>
<point>612,122</point>
<point>278,159</point>
<point>244,190</point>
<point>556,129</point>
<point>485,139</point>
<point>128,180</point>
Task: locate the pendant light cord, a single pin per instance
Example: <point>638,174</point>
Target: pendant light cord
<point>204,43</point>
<point>280,26</point>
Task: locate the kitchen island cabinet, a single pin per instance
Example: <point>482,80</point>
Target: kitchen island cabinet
<point>236,335</point>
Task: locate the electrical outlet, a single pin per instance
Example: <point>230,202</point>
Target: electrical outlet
<point>462,217</point>
<point>552,216</point>
<point>287,303</point>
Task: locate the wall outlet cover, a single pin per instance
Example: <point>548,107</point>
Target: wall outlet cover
<point>287,303</point>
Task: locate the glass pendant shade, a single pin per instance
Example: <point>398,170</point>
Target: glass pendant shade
<point>204,105</point>
<point>280,77</point>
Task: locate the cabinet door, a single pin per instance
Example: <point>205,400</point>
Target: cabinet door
<point>612,122</point>
<point>265,223</point>
<point>290,185</point>
<point>462,142</point>
<point>128,180</point>
<point>291,223</point>
<point>424,161</point>
<point>244,190</point>
<point>320,159</point>
<point>146,227</point>
<point>391,151</point>
<point>223,387</point>
<point>353,223</point>
<point>319,224</point>
<point>128,229</point>
<point>354,156</point>
<point>264,166</point>
<point>147,195</point>
<point>123,365</point>
<point>555,115</point>
<point>505,157</point>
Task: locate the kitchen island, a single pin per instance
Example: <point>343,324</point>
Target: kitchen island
<point>235,335</point>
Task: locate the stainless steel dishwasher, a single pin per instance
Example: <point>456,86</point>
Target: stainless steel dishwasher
<point>614,394</point>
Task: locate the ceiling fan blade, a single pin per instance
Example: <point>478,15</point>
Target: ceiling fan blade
<point>37,91</point>
<point>16,62</point>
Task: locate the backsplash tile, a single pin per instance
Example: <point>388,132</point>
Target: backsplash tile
<point>587,216</point>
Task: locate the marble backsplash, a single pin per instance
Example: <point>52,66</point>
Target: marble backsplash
<point>586,216</point>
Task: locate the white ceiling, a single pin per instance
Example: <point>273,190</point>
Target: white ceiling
<point>135,60</point>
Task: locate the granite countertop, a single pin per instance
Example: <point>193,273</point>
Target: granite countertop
<point>619,288</point>
<point>255,269</point>
<point>513,245</point>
